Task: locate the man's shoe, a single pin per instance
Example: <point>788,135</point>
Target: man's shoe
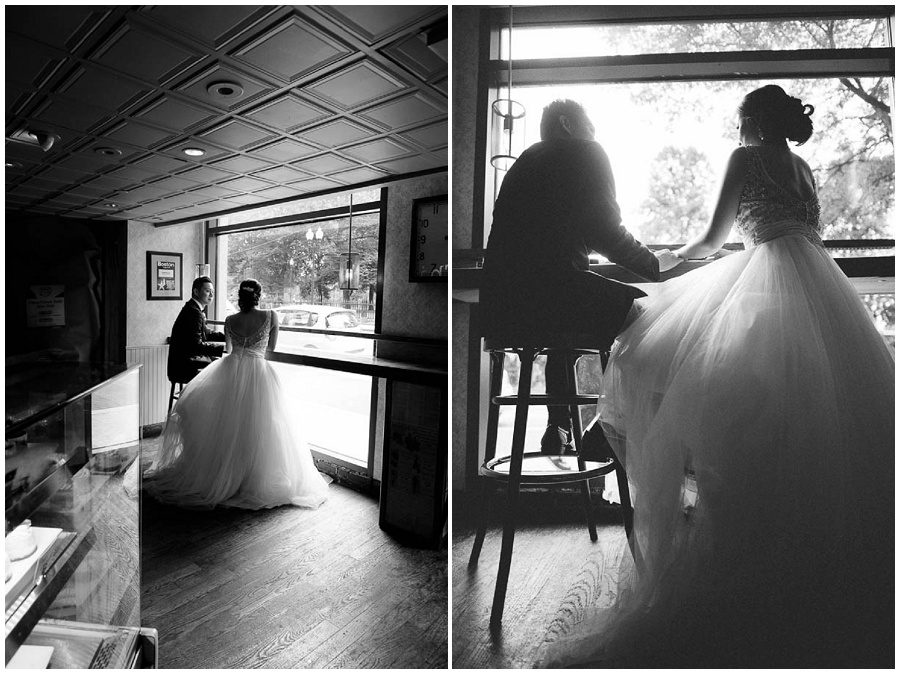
<point>556,441</point>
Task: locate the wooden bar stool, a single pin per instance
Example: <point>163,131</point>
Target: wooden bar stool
<point>200,362</point>
<point>535,468</point>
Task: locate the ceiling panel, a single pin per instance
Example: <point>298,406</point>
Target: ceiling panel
<point>287,113</point>
<point>373,22</point>
<point>212,29</point>
<point>432,136</point>
<point>144,56</point>
<point>337,133</point>
<point>283,101</point>
<point>173,114</point>
<point>292,49</point>
<point>356,85</point>
<point>403,112</point>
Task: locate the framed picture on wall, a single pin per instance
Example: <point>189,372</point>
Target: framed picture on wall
<point>164,276</point>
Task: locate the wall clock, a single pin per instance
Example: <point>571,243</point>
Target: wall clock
<point>429,243</point>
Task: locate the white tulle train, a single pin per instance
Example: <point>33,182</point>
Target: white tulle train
<point>753,403</point>
<point>232,440</point>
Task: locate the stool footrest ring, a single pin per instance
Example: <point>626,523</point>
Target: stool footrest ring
<point>544,399</point>
<point>540,468</point>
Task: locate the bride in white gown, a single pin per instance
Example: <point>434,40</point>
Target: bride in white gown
<point>232,440</point>
<point>752,401</point>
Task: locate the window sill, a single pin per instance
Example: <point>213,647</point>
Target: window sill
<point>868,274</point>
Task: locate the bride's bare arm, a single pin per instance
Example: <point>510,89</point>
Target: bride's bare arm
<point>726,210</point>
<point>227,336</point>
<point>273,333</point>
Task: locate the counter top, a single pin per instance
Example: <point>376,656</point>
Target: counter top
<point>37,389</point>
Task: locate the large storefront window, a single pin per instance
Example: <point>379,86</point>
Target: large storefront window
<point>669,142</point>
<point>663,97</point>
<point>297,252</point>
<point>299,263</point>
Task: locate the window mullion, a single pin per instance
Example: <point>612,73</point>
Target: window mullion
<point>719,65</point>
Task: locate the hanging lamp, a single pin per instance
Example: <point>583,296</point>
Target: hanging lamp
<point>505,112</point>
<point>348,270</point>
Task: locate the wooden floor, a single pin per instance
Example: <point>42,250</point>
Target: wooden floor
<point>557,576</point>
<point>290,588</point>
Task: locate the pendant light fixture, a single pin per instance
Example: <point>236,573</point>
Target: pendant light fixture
<point>348,271</point>
<point>505,117</point>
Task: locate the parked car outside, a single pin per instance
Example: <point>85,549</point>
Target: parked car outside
<point>321,317</point>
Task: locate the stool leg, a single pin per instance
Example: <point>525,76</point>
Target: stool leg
<point>526,356</point>
<point>577,432</point>
<point>627,511</point>
<point>481,528</point>
<point>493,421</point>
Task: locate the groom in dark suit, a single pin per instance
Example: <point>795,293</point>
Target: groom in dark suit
<point>558,204</point>
<point>192,346</point>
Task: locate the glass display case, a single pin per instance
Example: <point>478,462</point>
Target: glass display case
<point>73,514</point>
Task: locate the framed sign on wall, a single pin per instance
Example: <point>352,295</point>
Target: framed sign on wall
<point>164,277</point>
<point>429,243</point>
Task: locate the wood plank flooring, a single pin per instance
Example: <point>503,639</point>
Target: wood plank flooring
<point>557,577</point>
<point>290,588</point>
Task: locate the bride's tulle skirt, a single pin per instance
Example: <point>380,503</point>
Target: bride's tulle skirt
<point>753,403</point>
<point>232,440</point>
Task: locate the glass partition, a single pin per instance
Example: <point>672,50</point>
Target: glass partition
<point>73,572</point>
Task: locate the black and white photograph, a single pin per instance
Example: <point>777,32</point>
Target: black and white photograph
<point>253,473</point>
<point>673,336</point>
<point>450,336</point>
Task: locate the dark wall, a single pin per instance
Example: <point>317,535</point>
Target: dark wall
<point>88,259</point>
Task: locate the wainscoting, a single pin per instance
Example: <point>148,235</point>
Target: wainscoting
<point>154,384</point>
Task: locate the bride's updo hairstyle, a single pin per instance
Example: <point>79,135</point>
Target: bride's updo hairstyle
<point>778,115</point>
<point>249,292</point>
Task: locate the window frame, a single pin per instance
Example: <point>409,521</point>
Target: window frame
<point>337,467</point>
<point>735,66</point>
<point>869,275</point>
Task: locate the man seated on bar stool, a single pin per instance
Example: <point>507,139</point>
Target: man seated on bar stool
<point>192,346</point>
<point>557,204</point>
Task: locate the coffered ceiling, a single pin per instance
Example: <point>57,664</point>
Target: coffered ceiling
<point>283,101</point>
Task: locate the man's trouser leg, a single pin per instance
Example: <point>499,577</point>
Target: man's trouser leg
<point>555,376</point>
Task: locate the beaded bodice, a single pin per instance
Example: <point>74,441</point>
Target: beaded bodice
<point>768,211</point>
<point>253,345</point>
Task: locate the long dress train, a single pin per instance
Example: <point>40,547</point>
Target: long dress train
<point>753,403</point>
<point>232,439</point>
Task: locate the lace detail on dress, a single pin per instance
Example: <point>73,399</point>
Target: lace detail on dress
<point>768,211</point>
<point>254,345</point>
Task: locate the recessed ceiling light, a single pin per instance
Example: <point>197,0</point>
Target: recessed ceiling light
<point>110,205</point>
<point>108,151</point>
<point>13,164</point>
<point>225,90</point>
<point>194,151</point>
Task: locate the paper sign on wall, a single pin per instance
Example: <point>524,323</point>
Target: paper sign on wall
<point>165,275</point>
<point>47,309</point>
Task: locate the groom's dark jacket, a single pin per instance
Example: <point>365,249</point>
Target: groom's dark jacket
<point>191,345</point>
<point>558,204</point>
